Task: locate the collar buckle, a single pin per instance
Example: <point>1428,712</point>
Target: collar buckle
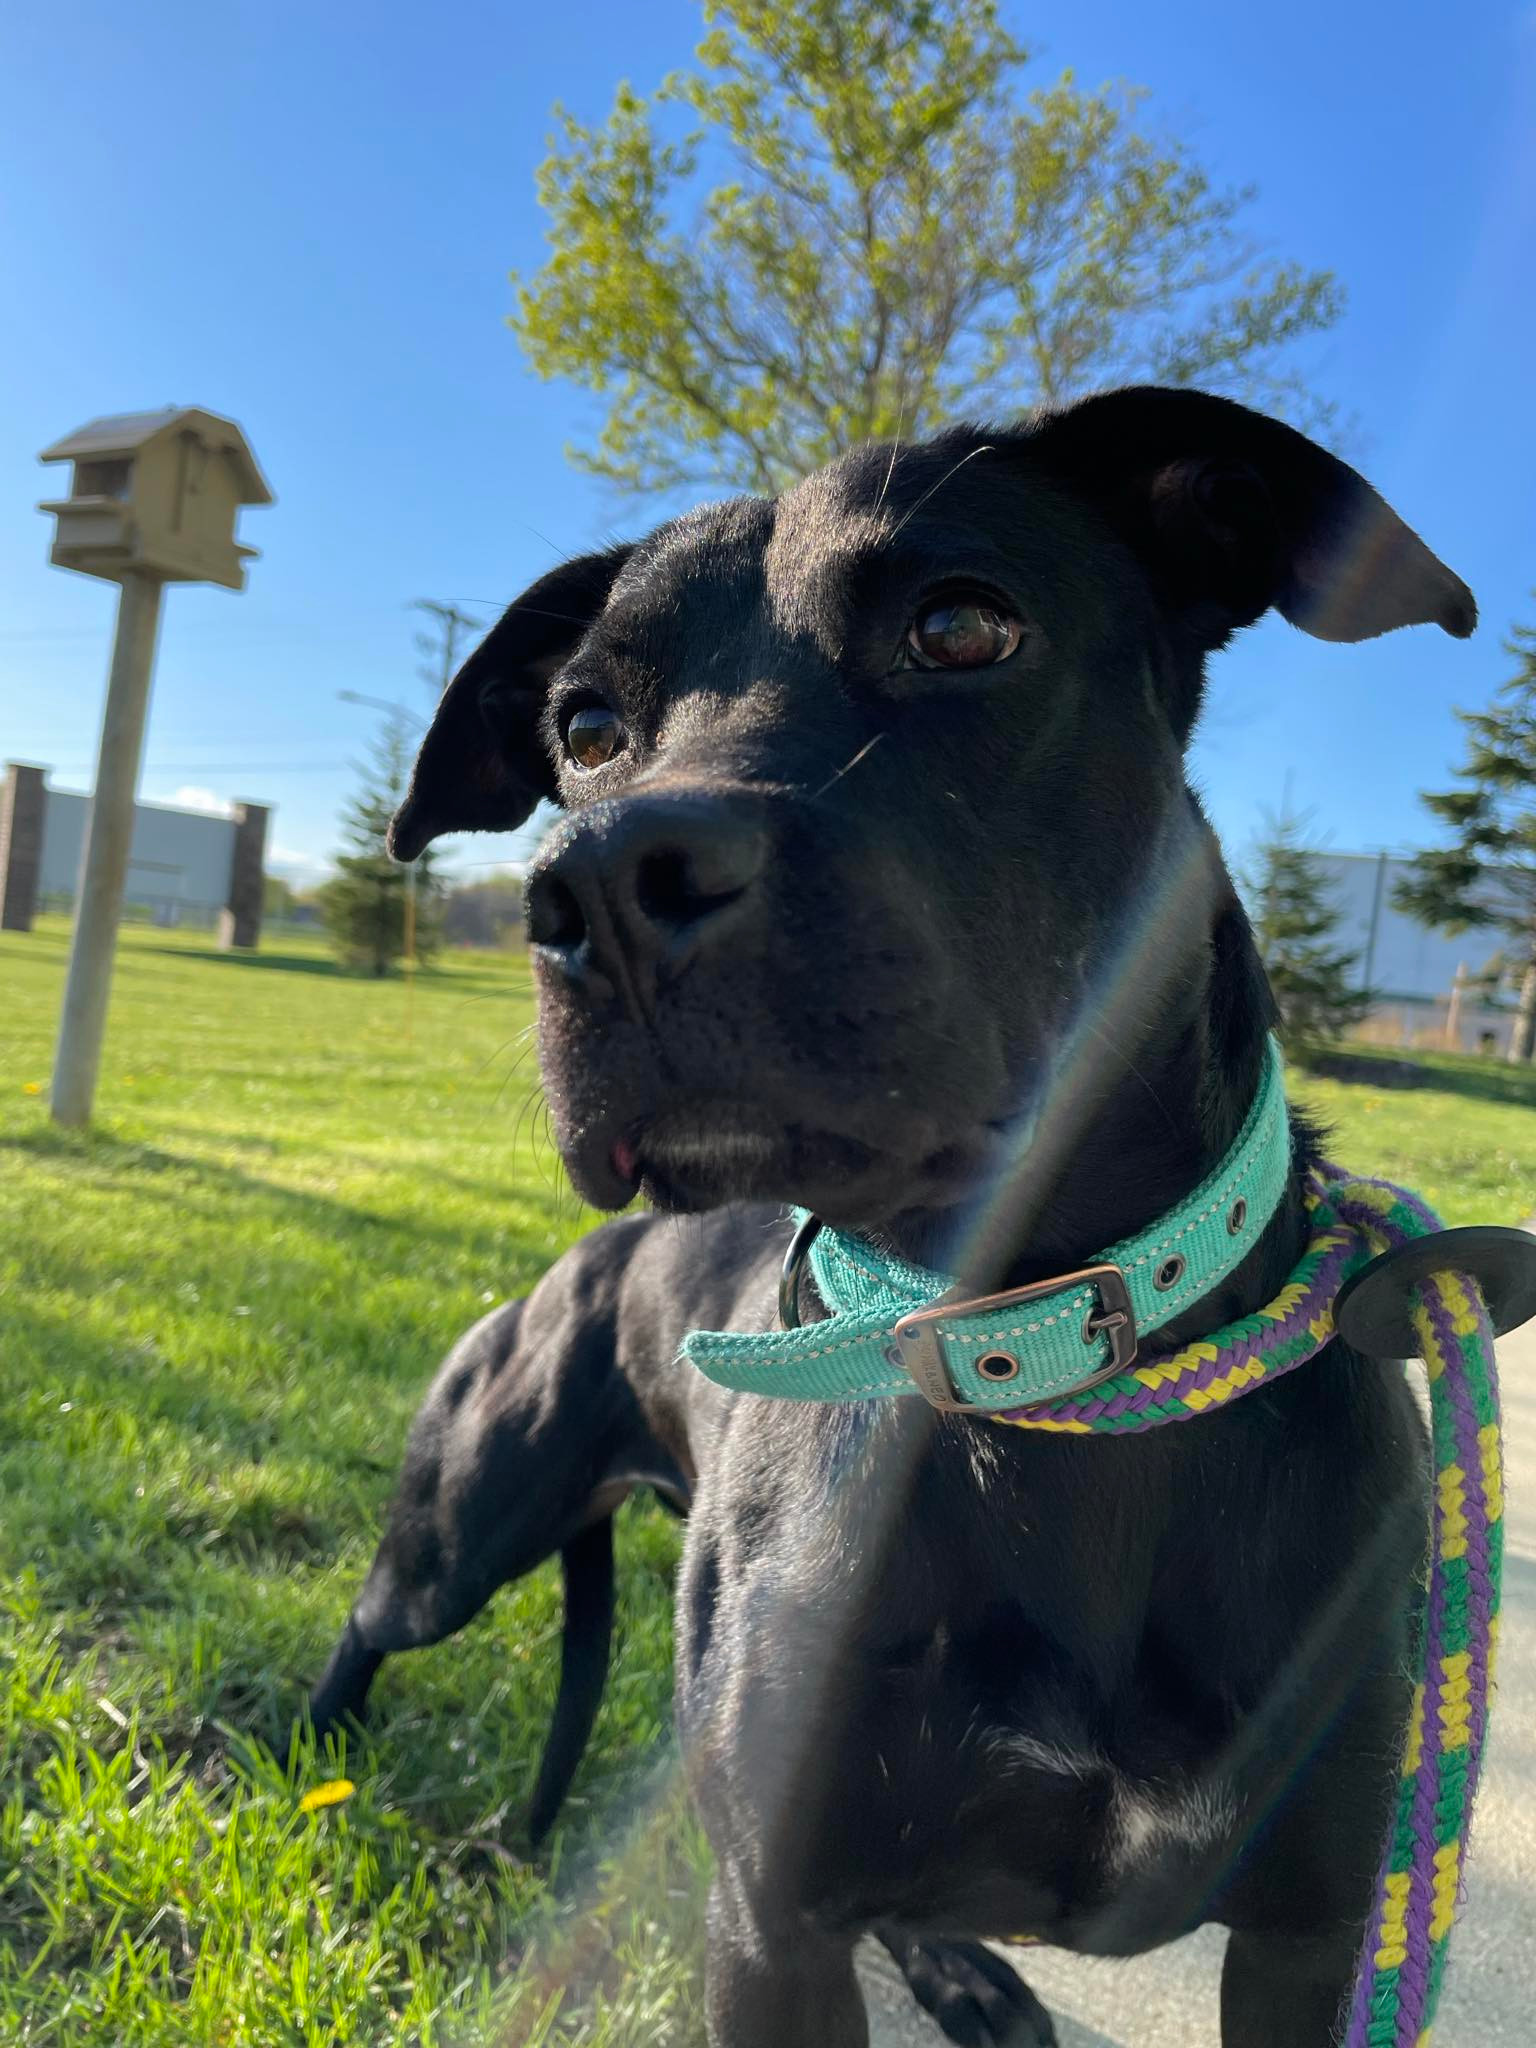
<point>920,1339</point>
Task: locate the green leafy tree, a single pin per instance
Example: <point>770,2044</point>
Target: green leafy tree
<point>901,236</point>
<point>365,903</point>
<point>1485,879</point>
<point>1316,981</point>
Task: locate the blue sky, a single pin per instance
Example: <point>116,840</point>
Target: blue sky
<point>304,217</point>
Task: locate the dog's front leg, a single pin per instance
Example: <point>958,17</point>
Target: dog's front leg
<point>770,1983</point>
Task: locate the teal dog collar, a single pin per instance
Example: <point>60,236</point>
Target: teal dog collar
<point>894,1328</point>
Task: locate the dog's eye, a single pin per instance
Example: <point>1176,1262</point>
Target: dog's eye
<point>593,735</point>
<point>962,632</point>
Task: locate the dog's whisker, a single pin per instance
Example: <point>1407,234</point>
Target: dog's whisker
<point>538,611</point>
<point>901,415</point>
<point>848,766</point>
<point>506,1082</point>
<point>534,611</point>
<point>1112,1045</point>
<point>987,448</point>
<point>499,1050</point>
<point>485,995</point>
<point>540,1110</point>
<point>546,1157</point>
<point>524,1107</point>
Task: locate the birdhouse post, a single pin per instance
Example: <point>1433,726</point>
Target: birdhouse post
<point>154,500</point>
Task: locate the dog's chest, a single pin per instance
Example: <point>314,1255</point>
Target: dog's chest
<point>999,1724</point>
<point>995,1779</point>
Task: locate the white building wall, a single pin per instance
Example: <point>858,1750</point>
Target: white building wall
<point>1407,960</point>
<point>1411,969</point>
<point>179,861</point>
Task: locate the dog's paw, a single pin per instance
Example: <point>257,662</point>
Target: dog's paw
<point>975,1996</point>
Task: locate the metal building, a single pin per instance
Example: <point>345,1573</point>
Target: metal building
<point>1412,968</point>
<point>184,867</point>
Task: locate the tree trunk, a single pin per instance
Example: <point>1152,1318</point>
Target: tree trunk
<point>1522,1040</point>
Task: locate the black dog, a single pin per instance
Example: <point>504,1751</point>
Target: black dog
<point>541,1421</point>
<point>882,892</point>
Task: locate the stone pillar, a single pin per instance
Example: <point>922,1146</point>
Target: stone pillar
<point>23,807</point>
<point>240,919</point>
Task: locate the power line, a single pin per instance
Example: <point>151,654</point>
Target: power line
<point>217,628</point>
<point>247,766</point>
<point>243,636</point>
<point>219,742</point>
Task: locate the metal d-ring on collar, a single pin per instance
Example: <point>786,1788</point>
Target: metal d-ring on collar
<point>794,1265</point>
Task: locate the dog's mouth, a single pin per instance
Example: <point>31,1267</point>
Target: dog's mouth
<point>696,1155</point>
<point>693,1158</point>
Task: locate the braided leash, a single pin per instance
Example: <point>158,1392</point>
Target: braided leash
<point>1397,1985</point>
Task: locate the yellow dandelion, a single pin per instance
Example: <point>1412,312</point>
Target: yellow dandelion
<point>331,1793</point>
<point>31,1087</point>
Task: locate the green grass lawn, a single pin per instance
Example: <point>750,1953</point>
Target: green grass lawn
<point>1465,1139</point>
<point>217,1313</point>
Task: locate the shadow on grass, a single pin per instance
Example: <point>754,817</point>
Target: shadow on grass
<point>433,979</point>
<point>1481,1080</point>
<point>127,1160</point>
<point>41,1344</point>
<point>285,963</point>
<point>187,1189</point>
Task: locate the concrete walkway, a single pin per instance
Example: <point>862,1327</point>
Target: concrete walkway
<point>1168,2000</point>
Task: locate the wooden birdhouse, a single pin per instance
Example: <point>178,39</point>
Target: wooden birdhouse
<point>156,494</point>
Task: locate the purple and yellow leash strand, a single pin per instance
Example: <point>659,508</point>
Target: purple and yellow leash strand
<point>1418,1886</point>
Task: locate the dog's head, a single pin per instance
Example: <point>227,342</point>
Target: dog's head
<point>860,781</point>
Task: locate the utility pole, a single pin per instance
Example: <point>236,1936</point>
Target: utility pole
<point>1368,965</point>
<point>408,962</point>
<point>442,648</point>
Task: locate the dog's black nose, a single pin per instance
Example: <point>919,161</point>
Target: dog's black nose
<point>642,880</point>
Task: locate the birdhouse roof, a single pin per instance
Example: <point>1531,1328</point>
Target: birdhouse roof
<point>124,433</point>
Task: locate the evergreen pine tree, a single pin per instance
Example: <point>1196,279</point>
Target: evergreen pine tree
<point>1486,878</point>
<point>364,905</point>
<point>1316,982</point>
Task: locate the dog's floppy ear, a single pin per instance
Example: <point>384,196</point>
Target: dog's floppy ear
<point>1234,512</point>
<point>482,766</point>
